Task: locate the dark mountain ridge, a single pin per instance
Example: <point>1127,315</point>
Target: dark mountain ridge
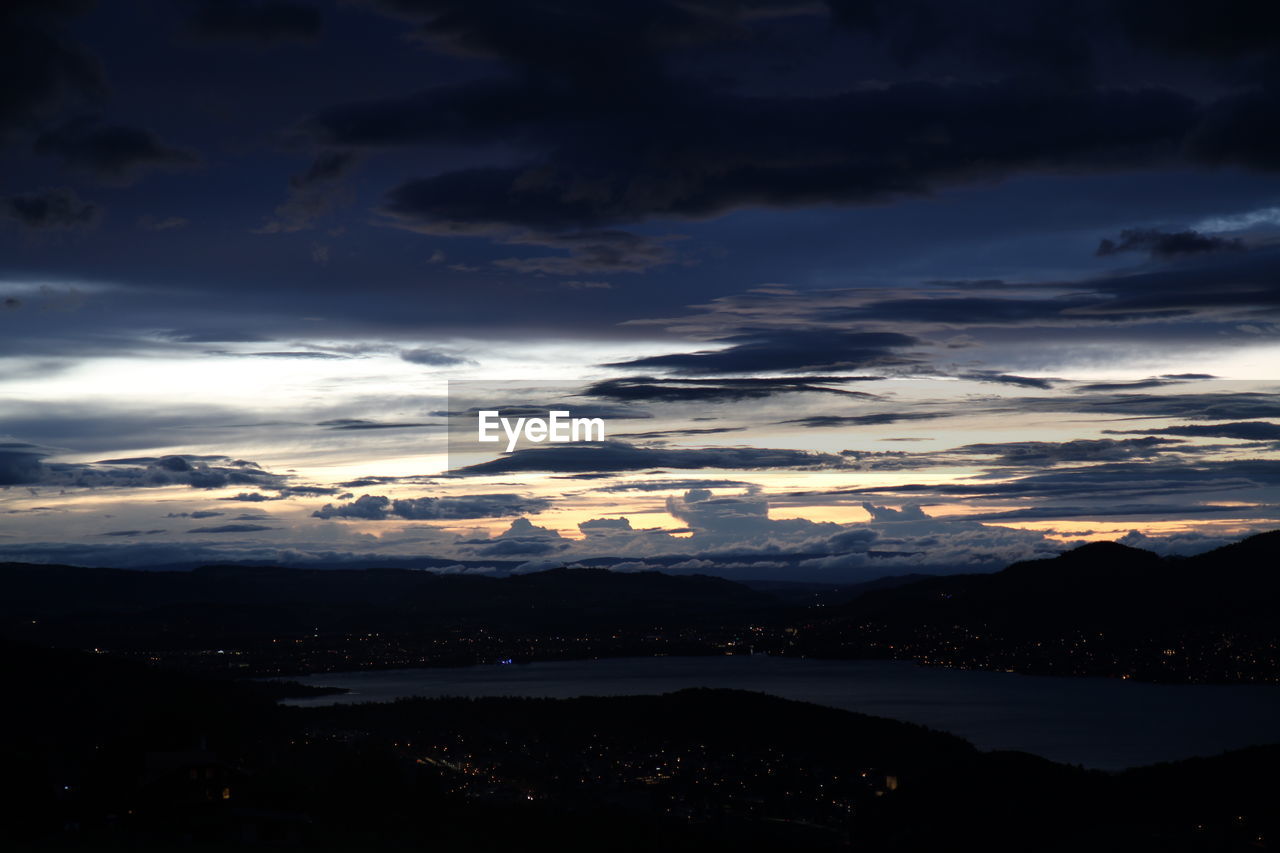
<point>1099,584</point>
<point>224,605</point>
<point>1101,609</point>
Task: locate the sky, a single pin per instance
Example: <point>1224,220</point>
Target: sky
<point>863,288</point>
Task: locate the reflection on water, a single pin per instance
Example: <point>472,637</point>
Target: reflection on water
<point>1103,723</point>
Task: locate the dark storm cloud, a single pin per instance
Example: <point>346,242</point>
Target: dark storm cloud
<point>600,123</point>
<point>1011,458</point>
<point>1235,283</point>
<point>620,140</point>
<point>895,460</point>
<point>729,151</point>
<point>169,463</point>
<point>1059,40</point>
<point>471,112</point>
<point>43,71</point>
<point>1245,430</point>
<point>25,465</point>
<point>1222,406</point>
<point>595,120</point>
<point>306,491</point>
<point>1220,287</point>
<point>57,208</point>
<point>21,464</point>
<point>1226,284</point>
<point>828,421</point>
<point>672,485</point>
<point>1054,37</point>
<point>664,433</point>
<point>968,310</point>
<point>103,426</point>
<point>651,389</point>
<point>1135,385</point>
<point>363,482</point>
<point>856,147</point>
<point>263,21</point>
<point>380,508</point>
<point>1113,512</point>
<point>998,378</point>
<point>1079,450</point>
<point>785,350</point>
<point>285,354</point>
<point>360,424</point>
<point>1235,288</point>
<point>1164,244</point>
<point>433,358</point>
<point>613,456</point>
<point>112,153</point>
<point>1107,481</point>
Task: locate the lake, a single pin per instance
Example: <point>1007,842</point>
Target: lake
<point>1096,722</point>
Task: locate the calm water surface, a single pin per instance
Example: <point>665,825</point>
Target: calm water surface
<point>1105,723</point>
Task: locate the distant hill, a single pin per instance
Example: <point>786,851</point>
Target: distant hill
<point>1103,608</point>
<point>68,605</point>
<point>1102,584</point>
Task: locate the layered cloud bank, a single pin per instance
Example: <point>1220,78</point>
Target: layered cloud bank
<point>861,287</point>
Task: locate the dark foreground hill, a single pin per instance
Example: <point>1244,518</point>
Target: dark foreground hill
<point>102,754</point>
<point>1103,608</point>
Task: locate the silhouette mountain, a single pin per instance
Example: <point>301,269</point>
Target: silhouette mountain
<point>1102,584</point>
<point>1101,609</point>
<point>73,606</point>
